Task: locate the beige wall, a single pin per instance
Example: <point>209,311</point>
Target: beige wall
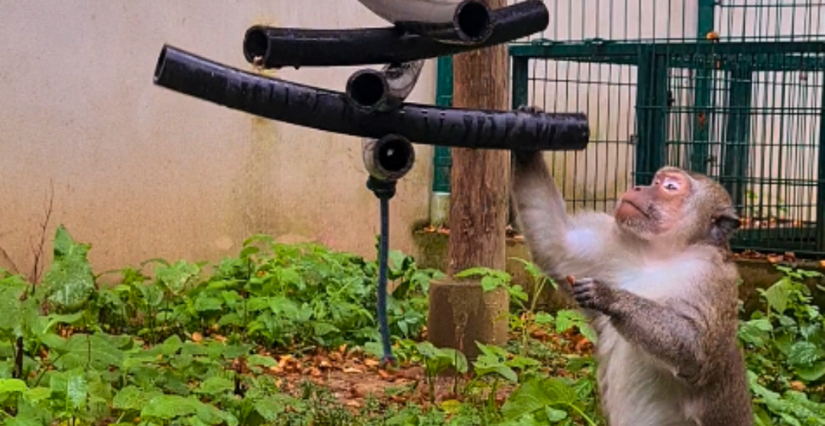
<point>142,172</point>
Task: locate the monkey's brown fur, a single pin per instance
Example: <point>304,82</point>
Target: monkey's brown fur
<point>657,281</point>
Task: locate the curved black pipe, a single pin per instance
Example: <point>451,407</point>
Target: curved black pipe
<point>271,47</point>
<point>330,111</point>
<point>374,90</point>
<point>449,21</point>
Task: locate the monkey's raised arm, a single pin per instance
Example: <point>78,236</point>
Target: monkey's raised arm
<point>559,244</point>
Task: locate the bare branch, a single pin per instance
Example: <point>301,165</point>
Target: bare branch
<point>39,250</point>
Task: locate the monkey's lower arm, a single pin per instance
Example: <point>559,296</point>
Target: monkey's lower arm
<point>671,336</point>
<point>541,210</point>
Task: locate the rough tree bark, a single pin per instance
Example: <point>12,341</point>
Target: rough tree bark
<point>460,312</point>
<point>479,181</point>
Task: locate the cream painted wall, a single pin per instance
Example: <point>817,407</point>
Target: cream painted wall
<point>139,171</point>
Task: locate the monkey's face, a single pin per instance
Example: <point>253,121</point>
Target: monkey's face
<point>654,210</point>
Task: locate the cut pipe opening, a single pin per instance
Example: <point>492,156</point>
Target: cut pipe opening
<point>473,20</point>
<point>255,44</point>
<point>366,88</point>
<point>160,64</point>
<point>389,158</point>
<point>394,155</point>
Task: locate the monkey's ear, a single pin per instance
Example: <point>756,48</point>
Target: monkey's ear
<point>728,220</point>
<point>725,223</point>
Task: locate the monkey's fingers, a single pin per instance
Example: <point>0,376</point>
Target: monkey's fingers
<point>530,109</point>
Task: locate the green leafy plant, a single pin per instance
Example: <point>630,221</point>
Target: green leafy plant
<point>784,354</point>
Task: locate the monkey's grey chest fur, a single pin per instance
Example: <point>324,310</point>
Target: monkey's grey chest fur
<point>634,389</point>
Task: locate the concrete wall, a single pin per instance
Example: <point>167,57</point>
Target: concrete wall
<point>142,172</point>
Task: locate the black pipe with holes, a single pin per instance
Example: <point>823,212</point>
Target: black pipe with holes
<point>331,111</point>
<point>272,47</point>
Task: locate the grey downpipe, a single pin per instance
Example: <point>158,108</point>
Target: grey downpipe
<point>447,21</point>
<point>331,111</point>
<point>383,90</point>
<point>273,47</point>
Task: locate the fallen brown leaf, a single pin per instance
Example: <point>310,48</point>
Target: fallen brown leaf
<point>385,375</point>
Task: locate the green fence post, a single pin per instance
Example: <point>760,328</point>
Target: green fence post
<point>442,159</point>
<point>736,150</point>
<point>651,114</point>
<point>820,183</point>
<point>698,148</point>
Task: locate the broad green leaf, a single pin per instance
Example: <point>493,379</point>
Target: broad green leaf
<point>98,351</point>
<point>543,318</point>
<point>519,361</point>
<point>168,407</point>
<point>215,386</point>
<point>206,303</point>
<point>77,390</point>
<point>23,420</point>
<point>175,276</point>
<point>537,394</point>
<point>264,361</point>
<point>322,329</point>
<point>813,372</point>
<point>70,386</point>
<point>565,319</point>
<point>152,295</point>
<point>12,385</point>
<point>69,280</point>
<point>755,331</point>
<point>231,318</point>
<point>35,395</point>
<point>553,415</point>
<point>270,408</point>
<point>778,294</point>
<point>451,406</point>
<point>804,354</point>
<point>489,283</point>
<point>133,398</point>
<point>236,351</point>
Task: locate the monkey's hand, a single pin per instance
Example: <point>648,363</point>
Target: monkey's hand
<point>530,109</point>
<point>591,294</point>
<point>525,155</point>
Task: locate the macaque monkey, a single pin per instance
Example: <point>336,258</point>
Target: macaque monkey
<point>658,284</point>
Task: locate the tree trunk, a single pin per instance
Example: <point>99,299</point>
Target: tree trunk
<point>460,312</point>
<point>480,178</point>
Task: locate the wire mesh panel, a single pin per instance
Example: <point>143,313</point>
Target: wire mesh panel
<point>731,89</point>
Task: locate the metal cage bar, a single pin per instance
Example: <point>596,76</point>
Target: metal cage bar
<point>730,88</point>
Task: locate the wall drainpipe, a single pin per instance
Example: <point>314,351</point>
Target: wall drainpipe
<point>442,160</point>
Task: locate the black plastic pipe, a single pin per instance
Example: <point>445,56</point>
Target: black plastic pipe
<point>374,90</point>
<point>388,159</point>
<point>330,111</point>
<point>448,21</point>
<point>271,47</point>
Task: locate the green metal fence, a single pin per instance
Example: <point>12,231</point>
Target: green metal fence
<point>730,88</point>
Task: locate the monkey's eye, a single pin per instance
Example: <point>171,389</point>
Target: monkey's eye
<point>670,186</point>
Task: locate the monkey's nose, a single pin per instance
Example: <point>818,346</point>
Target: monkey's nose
<point>637,188</point>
